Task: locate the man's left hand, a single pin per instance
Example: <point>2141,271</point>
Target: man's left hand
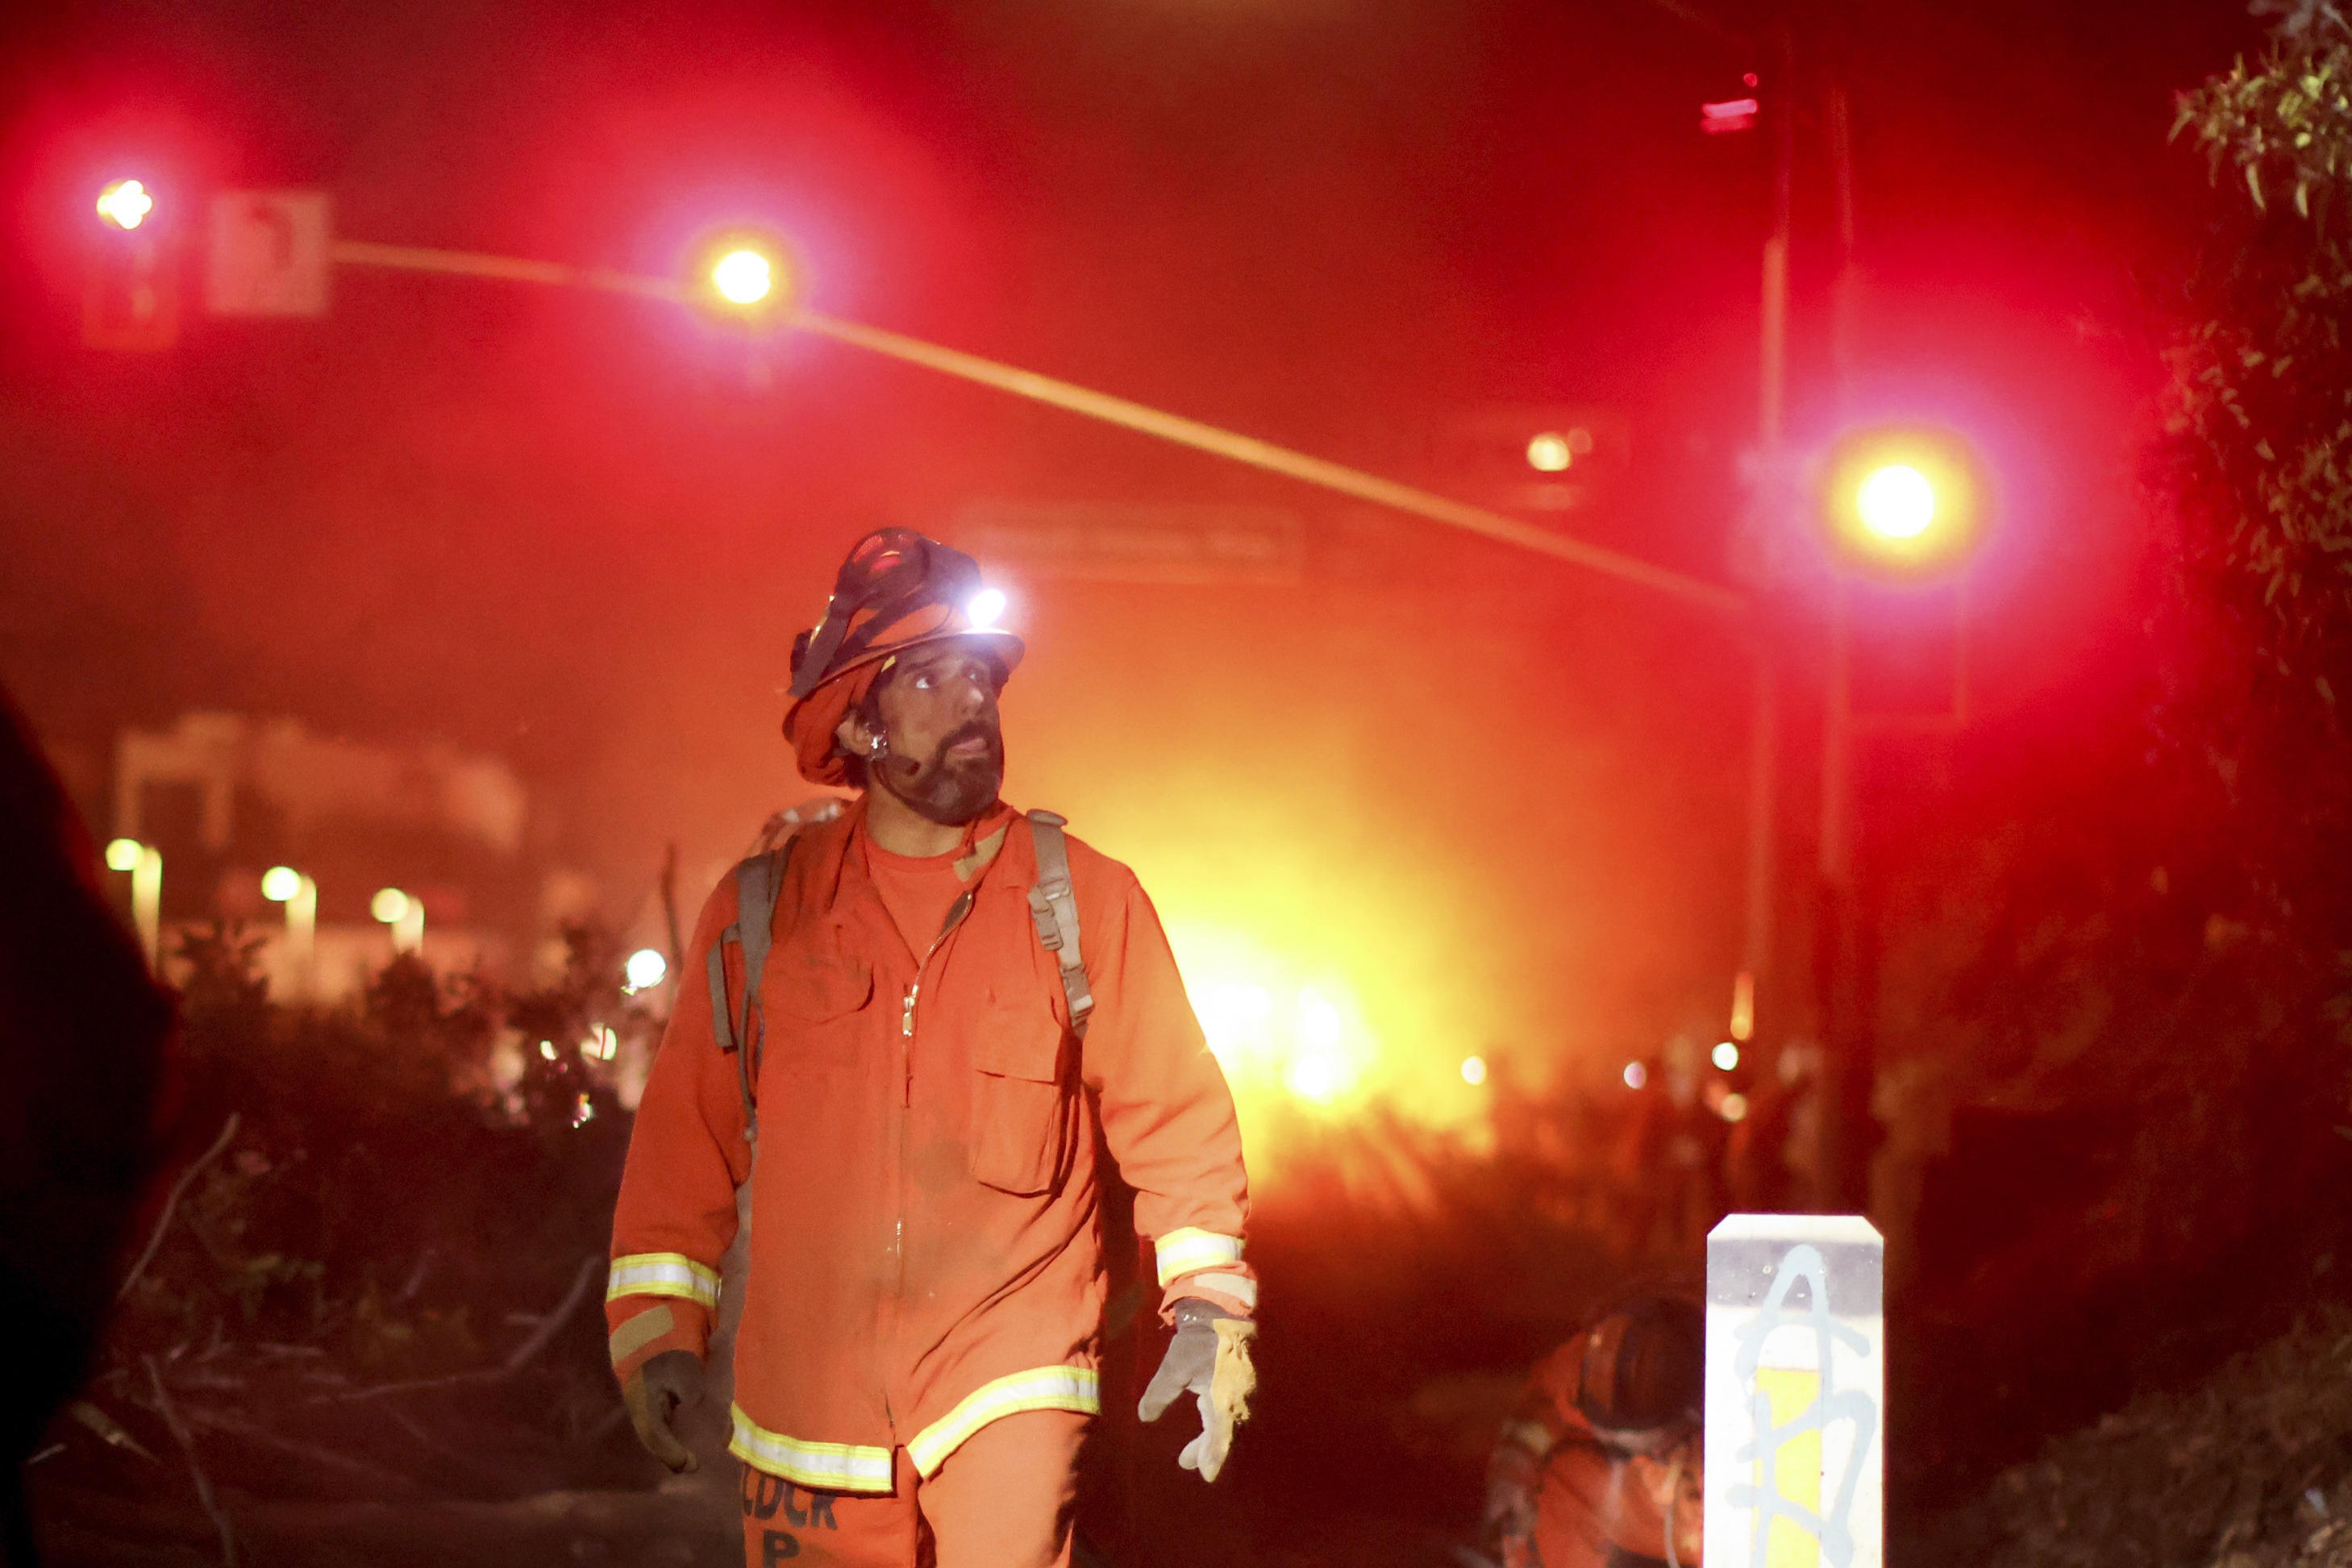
<point>1210,1359</point>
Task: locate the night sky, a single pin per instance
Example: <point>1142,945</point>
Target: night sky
<point>580,530</point>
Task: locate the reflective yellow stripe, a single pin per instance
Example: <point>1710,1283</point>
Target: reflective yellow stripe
<point>662,1274</point>
<point>1074,1388</point>
<point>821,1467</point>
<point>1187,1250</point>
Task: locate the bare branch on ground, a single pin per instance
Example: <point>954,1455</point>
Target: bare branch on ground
<point>181,1435</point>
<point>171,1204</point>
<point>374,1475</point>
<point>522,1356</point>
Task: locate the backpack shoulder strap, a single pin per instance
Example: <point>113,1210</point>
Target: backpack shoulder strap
<point>1053,906</point>
<point>758,880</point>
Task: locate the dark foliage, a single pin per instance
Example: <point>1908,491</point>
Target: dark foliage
<point>382,1200</point>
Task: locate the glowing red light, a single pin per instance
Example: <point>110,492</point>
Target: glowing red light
<point>125,203</point>
<point>1731,114</point>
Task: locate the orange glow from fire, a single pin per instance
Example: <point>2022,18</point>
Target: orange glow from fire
<point>1311,1044</point>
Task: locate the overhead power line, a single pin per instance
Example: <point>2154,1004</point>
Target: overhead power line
<point>1127,414</point>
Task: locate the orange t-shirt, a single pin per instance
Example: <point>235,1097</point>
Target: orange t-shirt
<point>918,891</point>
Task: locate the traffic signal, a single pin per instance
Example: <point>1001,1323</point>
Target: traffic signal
<point>125,203</point>
<point>1728,116</point>
<point>131,285</point>
<point>1903,502</point>
<point>1531,457</point>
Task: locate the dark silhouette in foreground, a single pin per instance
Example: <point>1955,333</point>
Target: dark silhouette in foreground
<point>82,1032</point>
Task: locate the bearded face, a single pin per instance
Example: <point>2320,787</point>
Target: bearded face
<point>958,782</point>
<point>943,750</point>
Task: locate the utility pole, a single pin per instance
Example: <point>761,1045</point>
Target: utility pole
<point>1850,1066</point>
<point>1755,992</point>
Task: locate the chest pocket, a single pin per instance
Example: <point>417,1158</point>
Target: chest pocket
<point>1021,1116</point>
<point>816,994</point>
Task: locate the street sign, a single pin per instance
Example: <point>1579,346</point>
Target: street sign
<point>267,255</point>
<point>1126,542</point>
<point>1796,1391</point>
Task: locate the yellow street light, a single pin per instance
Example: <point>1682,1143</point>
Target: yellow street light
<point>1896,502</point>
<point>1903,502</point>
<point>145,865</point>
<point>751,277</point>
<point>284,884</point>
<point>405,912</point>
<point>743,277</point>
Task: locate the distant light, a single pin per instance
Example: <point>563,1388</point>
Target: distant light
<point>1896,502</point>
<point>123,854</point>
<point>1733,1108</point>
<point>1320,1025</point>
<point>1725,1056</point>
<point>1636,1075</point>
<point>125,203</point>
<point>1729,115</point>
<point>1551,452</point>
<point>609,1042</point>
<point>1234,1016</point>
<point>1743,1005</point>
<point>584,1110</point>
<point>645,968</point>
<point>1474,1070</point>
<point>547,1048</point>
<point>1317,1075</point>
<point>743,277</point>
<point>987,607</point>
<point>388,906</point>
<point>282,883</point>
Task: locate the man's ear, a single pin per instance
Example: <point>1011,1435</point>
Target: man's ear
<point>853,735</point>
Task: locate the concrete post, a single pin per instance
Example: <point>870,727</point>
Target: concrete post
<point>1796,1393</point>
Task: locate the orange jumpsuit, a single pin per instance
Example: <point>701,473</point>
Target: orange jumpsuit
<point>1577,1498</point>
<point>927,1256</point>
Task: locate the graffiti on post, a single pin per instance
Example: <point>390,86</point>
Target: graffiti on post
<point>1794,1411</point>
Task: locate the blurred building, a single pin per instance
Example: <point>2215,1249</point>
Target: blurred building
<point>224,797</point>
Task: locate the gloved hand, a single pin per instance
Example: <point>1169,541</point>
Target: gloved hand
<point>654,1394</point>
<point>1210,1359</point>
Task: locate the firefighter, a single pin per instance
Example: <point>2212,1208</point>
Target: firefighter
<point>1599,1466</point>
<point>918,1017</point>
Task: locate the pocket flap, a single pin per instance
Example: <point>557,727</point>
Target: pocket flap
<point>1017,1040</point>
<point>818,988</point>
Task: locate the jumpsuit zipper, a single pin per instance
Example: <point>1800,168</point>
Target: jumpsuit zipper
<point>907,1075</point>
